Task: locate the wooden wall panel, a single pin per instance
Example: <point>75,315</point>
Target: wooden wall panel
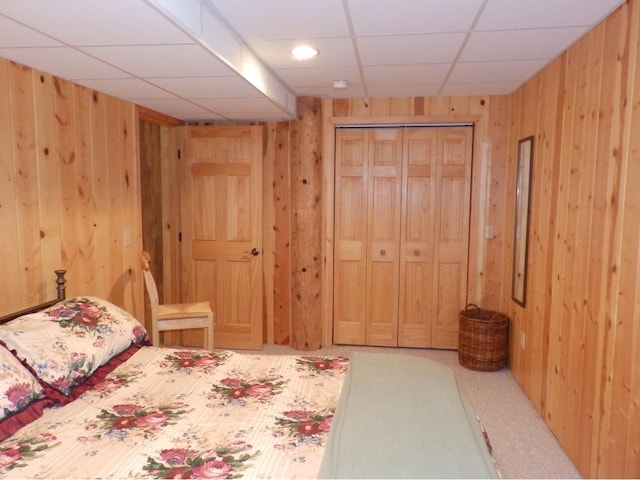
<point>580,361</point>
<point>281,227</point>
<point>70,191</point>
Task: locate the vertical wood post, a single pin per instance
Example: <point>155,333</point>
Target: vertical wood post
<point>306,225</point>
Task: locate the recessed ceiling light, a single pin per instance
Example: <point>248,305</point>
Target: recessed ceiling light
<point>340,84</point>
<point>303,52</point>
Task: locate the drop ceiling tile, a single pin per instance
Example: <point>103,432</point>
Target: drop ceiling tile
<point>226,106</point>
<point>186,13</point>
<point>64,62</point>
<point>112,22</point>
<point>519,44</point>
<point>207,87</point>
<point>284,19</point>
<point>512,34</point>
<point>384,91</point>
<point>12,34</point>
<point>518,14</point>
<point>161,60</point>
<point>410,49</point>
<point>511,71</point>
<point>412,16</point>
<point>126,88</point>
<point>331,52</point>
<point>327,91</point>
<point>171,106</point>
<point>493,88</point>
<point>317,76</point>
<point>433,73</point>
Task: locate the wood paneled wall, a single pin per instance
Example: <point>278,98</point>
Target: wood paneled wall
<point>69,191</point>
<point>580,364</point>
<point>70,188</point>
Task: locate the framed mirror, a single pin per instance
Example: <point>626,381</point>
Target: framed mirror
<point>521,227</point>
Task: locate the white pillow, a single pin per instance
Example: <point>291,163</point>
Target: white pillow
<point>67,342</point>
<point>18,388</point>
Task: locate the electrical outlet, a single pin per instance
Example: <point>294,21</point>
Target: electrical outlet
<point>126,238</point>
<point>522,340</point>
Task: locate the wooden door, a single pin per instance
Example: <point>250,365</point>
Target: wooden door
<point>383,219</point>
<point>368,202</point>
<point>351,227</point>
<point>434,237</point>
<point>222,229</point>
<point>402,219</point>
<point>417,288</point>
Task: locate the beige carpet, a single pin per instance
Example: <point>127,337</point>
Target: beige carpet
<point>523,445</point>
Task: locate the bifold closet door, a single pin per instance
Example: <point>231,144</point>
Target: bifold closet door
<point>434,237</point>
<point>401,235</point>
<point>367,228</point>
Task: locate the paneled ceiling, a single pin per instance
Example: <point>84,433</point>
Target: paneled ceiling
<point>229,60</point>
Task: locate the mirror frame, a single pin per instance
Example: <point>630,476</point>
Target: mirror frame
<point>521,225</point>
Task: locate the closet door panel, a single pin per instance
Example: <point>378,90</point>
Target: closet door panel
<point>453,188</point>
<point>350,256</point>
<point>385,157</point>
<point>451,281</point>
<point>417,306</point>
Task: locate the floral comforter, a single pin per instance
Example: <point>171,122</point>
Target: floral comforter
<point>169,413</point>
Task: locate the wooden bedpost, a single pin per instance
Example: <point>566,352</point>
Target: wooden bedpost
<point>60,282</point>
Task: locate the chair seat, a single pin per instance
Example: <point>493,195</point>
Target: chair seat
<point>175,316</point>
<point>182,310</point>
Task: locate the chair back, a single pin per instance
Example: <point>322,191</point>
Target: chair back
<point>152,289</point>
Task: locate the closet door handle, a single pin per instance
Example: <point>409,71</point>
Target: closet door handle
<point>255,252</point>
<point>383,252</point>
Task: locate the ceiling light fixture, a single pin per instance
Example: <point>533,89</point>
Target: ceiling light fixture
<point>339,84</point>
<point>303,52</point>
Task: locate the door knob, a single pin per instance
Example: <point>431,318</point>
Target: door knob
<point>255,252</point>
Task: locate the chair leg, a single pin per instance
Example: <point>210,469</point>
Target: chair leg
<point>209,343</point>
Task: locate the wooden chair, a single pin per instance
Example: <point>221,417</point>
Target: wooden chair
<point>177,316</point>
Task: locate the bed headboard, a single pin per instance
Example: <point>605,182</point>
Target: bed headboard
<point>60,288</point>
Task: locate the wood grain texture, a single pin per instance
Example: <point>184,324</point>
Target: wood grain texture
<point>488,182</point>
<point>70,188</point>
<point>282,229</point>
<point>580,361</point>
<point>306,211</point>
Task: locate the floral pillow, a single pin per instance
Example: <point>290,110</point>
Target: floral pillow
<point>67,342</point>
<point>18,388</point>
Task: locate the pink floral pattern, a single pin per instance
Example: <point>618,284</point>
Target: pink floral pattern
<point>168,413</point>
<point>221,462</point>
<point>123,420</point>
<point>242,390</point>
<point>113,382</point>
<point>18,388</point>
<point>15,453</point>
<point>303,426</point>
<point>84,315</point>
<point>323,365</point>
<point>186,361</point>
<point>66,343</point>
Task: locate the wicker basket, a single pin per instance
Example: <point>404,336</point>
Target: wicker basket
<point>483,340</point>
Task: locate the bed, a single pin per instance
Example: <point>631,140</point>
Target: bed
<point>84,395</point>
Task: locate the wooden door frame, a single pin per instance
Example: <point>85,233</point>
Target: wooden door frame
<point>477,214</point>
